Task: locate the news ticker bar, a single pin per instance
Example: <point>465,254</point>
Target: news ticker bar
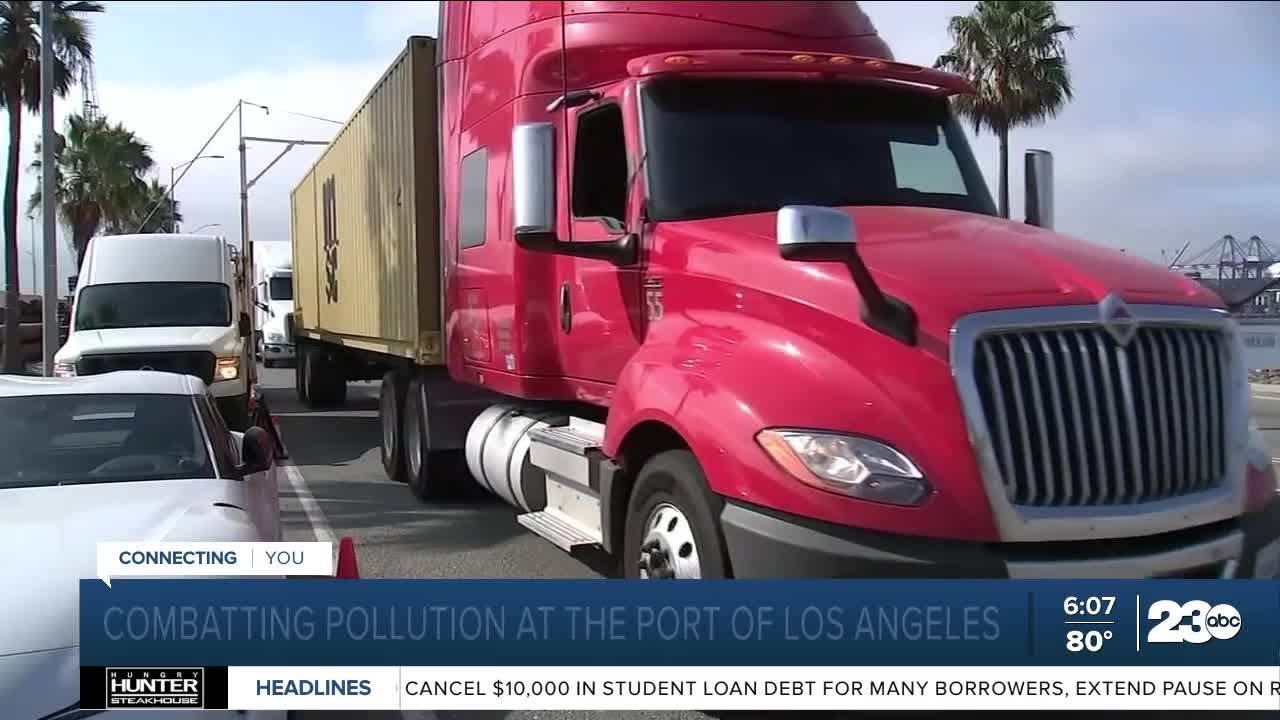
<point>232,623</point>
<point>682,688</point>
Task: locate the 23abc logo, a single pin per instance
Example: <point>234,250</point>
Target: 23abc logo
<point>1192,622</point>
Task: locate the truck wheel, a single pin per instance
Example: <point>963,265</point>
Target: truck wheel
<point>432,474</point>
<point>672,526</point>
<point>299,370</point>
<point>325,384</point>
<point>391,399</point>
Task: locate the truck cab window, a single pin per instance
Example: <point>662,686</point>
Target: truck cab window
<point>471,211</point>
<point>600,165</point>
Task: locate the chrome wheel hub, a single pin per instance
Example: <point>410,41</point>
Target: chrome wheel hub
<point>669,550</point>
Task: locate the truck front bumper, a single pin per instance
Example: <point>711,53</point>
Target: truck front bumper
<point>277,351</point>
<point>767,544</point>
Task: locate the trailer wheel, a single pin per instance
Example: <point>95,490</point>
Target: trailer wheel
<point>299,377</point>
<point>672,526</point>
<point>325,384</point>
<point>432,474</point>
<point>391,399</point>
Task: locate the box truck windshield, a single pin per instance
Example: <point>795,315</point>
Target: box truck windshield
<point>162,304</point>
<point>728,146</point>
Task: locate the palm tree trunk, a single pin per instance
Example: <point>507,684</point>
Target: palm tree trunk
<point>1004,172</point>
<point>12,360</point>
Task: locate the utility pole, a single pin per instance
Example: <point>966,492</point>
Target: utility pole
<point>48,192</point>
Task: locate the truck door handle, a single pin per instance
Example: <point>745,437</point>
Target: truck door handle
<point>566,313</point>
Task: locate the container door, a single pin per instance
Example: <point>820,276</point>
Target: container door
<point>600,303</point>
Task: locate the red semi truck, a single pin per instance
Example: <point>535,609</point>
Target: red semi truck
<point>719,288</point>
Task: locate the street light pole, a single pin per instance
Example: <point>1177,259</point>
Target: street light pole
<point>48,193</point>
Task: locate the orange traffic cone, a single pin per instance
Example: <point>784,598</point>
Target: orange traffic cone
<point>347,567</point>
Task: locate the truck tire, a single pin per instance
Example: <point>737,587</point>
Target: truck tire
<point>672,525</point>
<point>432,474</point>
<point>391,399</point>
<point>325,384</point>
<point>299,379</point>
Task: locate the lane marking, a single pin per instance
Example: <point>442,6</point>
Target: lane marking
<point>315,514</point>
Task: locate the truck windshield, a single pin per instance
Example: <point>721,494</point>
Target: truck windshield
<point>280,287</point>
<point>160,304</point>
<point>727,146</point>
<point>78,439</point>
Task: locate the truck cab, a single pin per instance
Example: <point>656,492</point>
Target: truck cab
<point>719,289</point>
<point>165,302</point>
<point>273,295</point>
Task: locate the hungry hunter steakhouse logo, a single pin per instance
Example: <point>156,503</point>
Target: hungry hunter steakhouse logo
<point>155,687</point>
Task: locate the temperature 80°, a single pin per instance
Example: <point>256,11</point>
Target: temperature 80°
<point>1090,640</point>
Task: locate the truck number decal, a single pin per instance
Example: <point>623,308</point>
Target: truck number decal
<point>329,208</point>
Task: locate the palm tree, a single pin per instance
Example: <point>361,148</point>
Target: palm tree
<point>19,90</point>
<point>99,178</point>
<point>1012,52</point>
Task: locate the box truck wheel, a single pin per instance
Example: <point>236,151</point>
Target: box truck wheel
<point>432,474</point>
<point>391,399</point>
<point>672,526</point>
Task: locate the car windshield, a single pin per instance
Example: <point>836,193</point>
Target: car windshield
<point>281,287</point>
<point>78,439</point>
<point>158,304</point>
<point>726,146</point>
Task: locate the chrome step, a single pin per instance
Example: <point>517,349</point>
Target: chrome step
<point>555,529</point>
<point>578,437</point>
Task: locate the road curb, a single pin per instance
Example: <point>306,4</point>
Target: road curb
<point>1264,389</point>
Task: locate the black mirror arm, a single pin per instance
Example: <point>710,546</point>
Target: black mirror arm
<point>622,250</point>
<point>883,313</point>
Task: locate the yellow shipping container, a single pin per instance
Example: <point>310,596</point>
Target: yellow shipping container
<point>365,224</point>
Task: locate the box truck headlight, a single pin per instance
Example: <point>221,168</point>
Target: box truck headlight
<point>62,369</point>
<point>845,464</point>
<point>228,369</point>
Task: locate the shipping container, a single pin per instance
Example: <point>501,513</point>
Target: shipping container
<point>365,222</point>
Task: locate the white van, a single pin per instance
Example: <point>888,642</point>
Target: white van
<point>274,293</point>
<point>162,302</point>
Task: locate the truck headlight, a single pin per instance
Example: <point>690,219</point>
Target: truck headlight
<point>846,464</point>
<point>63,369</point>
<point>228,369</point>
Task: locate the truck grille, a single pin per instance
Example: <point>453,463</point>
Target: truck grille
<point>1076,419</point>
<point>199,364</point>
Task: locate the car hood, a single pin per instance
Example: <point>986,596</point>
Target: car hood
<point>946,264</point>
<point>218,340</point>
<point>49,537</point>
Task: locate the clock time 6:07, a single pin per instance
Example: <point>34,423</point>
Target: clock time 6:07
<point>1092,605</point>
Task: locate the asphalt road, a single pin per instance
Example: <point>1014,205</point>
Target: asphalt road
<point>336,453</point>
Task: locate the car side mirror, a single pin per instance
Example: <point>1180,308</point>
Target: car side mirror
<point>257,451</point>
<point>1038,176</point>
<point>246,326</point>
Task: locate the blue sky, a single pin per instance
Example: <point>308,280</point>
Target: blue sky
<point>1171,137</point>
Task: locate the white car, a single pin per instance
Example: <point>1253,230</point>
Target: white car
<point>123,456</point>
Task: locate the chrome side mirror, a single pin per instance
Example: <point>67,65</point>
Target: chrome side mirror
<point>533,178</point>
<point>809,232</point>
<point>1039,188</point>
